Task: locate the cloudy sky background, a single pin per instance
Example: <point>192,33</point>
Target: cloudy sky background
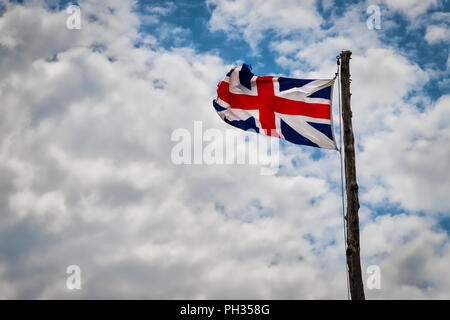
<point>86,176</point>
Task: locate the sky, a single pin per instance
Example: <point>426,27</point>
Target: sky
<point>87,178</point>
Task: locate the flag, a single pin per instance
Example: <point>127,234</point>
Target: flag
<point>296,110</point>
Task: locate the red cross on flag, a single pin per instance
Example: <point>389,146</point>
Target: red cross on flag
<point>296,110</point>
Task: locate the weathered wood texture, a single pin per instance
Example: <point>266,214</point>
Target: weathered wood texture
<point>353,255</point>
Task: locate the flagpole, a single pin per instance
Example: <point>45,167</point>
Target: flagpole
<point>351,186</point>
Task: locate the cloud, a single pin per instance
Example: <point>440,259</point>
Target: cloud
<point>153,15</point>
<point>415,257</point>
<point>437,33</point>
<point>412,156</point>
<point>164,10</point>
<point>402,149</point>
<point>387,122</point>
<point>409,8</point>
<point>85,154</point>
<point>86,176</point>
<point>250,19</point>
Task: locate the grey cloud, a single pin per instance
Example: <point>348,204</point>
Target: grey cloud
<point>86,179</point>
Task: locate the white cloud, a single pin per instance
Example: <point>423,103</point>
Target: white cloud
<point>164,10</point>
<point>85,151</point>
<point>86,176</point>
<point>251,19</point>
<point>416,257</point>
<point>437,33</point>
<point>412,157</point>
<point>410,8</point>
<point>318,51</point>
<point>383,117</point>
<point>403,152</point>
<point>441,16</point>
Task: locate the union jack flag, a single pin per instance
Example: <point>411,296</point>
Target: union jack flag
<point>296,110</point>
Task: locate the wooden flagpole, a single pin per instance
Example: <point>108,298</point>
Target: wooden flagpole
<point>351,186</point>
